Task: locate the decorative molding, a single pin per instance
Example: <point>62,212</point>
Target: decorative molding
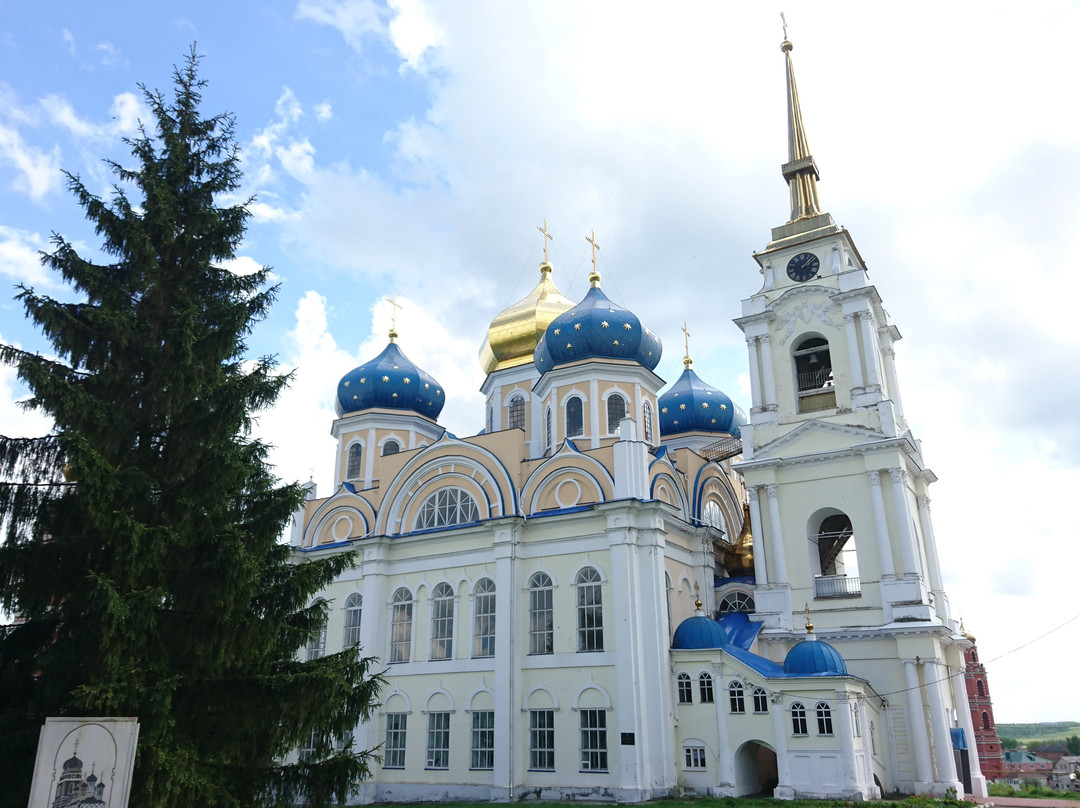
<point>806,311</point>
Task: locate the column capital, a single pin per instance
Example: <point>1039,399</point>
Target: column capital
<point>752,492</point>
<point>751,342</point>
<point>765,339</point>
<point>770,489</point>
<point>898,475</point>
<point>868,317</point>
<point>875,477</point>
<point>924,502</point>
<point>889,352</point>
<point>849,318</point>
<point>776,698</point>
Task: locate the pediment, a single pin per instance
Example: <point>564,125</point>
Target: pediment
<point>814,437</point>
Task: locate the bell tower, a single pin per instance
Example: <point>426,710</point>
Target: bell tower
<point>837,485</point>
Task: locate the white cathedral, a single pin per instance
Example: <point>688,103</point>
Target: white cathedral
<point>621,592</point>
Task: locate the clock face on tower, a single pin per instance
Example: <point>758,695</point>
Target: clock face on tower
<point>803,267</point>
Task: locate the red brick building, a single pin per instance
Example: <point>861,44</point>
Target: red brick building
<point>982,716</point>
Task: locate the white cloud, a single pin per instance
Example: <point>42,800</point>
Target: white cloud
<point>323,111</point>
<point>242,265</point>
<point>37,170</point>
<point>69,40</point>
<point>15,421</point>
<point>413,33</point>
<point>20,259</point>
<point>110,56</point>
<point>355,19</point>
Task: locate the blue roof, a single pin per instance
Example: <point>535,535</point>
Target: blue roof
<point>596,328</point>
<point>691,405</point>
<point>390,381</point>
<point>740,630</point>
<point>813,657</point>
<point>698,632</point>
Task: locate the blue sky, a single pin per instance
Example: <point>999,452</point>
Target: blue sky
<point>413,147</point>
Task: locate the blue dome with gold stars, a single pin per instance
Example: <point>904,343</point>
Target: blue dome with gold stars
<point>691,405</point>
<point>390,381</point>
<point>596,328</point>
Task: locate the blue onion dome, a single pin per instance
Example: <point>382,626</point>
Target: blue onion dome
<point>699,631</point>
<point>390,381</point>
<point>596,328</point>
<point>691,405</point>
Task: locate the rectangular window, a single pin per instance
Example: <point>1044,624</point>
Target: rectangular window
<point>483,740</point>
<point>686,689</point>
<point>694,757</point>
<point>761,701</point>
<point>484,619</point>
<point>706,688</point>
<point>541,621</point>
<point>438,741</point>
<point>394,746</point>
<point>401,632</point>
<point>594,741</point>
<point>542,740</point>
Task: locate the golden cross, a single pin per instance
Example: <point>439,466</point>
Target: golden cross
<point>783,21</point>
<point>592,240</point>
<point>686,337</point>
<point>547,236</point>
<point>393,311</point>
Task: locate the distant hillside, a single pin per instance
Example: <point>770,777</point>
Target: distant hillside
<point>1047,731</point>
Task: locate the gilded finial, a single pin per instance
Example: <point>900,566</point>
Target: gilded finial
<point>547,236</point>
<point>687,361</point>
<point>800,172</point>
<point>594,276</point>
<point>393,316</point>
<point>809,625</point>
<point>697,597</point>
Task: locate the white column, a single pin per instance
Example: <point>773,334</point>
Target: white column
<point>594,413</point>
<point>755,375</point>
<point>963,713</point>
<point>769,373</point>
<point>918,741</point>
<point>881,525</point>
<point>890,377</point>
<point>781,729</point>
<point>780,564</point>
<point>496,408</point>
<point>370,450</point>
<point>761,578</point>
<point>903,520</point>
<point>931,545</point>
<point>726,759</point>
<point>935,674</point>
<point>849,780</point>
<point>853,352</point>
<point>373,620</point>
<point>506,677</point>
<point>870,348</point>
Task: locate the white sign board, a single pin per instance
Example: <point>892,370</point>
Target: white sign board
<point>84,762</point>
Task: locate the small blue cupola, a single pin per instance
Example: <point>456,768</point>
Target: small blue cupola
<point>390,381</point>
<point>691,405</point>
<point>814,657</point>
<point>698,632</point>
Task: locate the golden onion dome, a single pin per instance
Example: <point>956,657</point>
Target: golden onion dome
<point>514,333</point>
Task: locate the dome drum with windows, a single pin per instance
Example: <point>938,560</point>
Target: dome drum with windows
<point>390,381</point>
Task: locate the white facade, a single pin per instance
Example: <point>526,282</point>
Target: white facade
<point>523,587</point>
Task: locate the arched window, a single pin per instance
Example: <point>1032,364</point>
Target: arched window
<point>391,447</point>
<point>646,420</point>
<point>484,618</point>
<point>814,375</point>
<point>824,718</point>
<point>541,614</point>
<point>705,688</point>
<point>616,411</point>
<point>736,699</point>
<point>316,646</point>
<point>686,689</point>
<point>761,700</point>
<point>574,418</point>
<point>736,602</point>
<point>834,558</point>
<point>547,431</point>
<point>447,507</point>
<point>980,688</point>
<point>352,620</point>
<point>798,719</point>
<point>590,611</point>
<point>516,413</point>
<point>986,721</point>
<point>355,467</point>
<point>712,516</point>
<point>401,625</point>
<point>442,622</point>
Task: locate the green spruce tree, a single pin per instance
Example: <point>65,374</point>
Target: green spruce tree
<point>140,553</point>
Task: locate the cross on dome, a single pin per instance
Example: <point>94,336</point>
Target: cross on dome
<point>547,236</point>
<point>394,306</point>
<point>594,277</point>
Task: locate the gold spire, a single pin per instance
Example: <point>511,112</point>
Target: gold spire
<point>547,236</point>
<point>687,361</point>
<point>800,171</point>
<point>394,306</point>
<point>594,276</point>
<point>809,625</point>
<point>697,597</point>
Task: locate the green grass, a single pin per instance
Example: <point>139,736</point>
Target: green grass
<point>1031,792</point>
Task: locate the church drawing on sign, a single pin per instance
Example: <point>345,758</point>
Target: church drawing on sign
<point>623,588</point>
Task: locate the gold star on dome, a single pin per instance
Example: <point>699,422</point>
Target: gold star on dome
<point>708,392</point>
<point>704,405</point>
<point>614,342</point>
<point>676,423</point>
<point>603,323</point>
<point>650,353</point>
<point>568,345</point>
<point>393,395</point>
<point>627,326</point>
<point>362,367</point>
<point>723,406</point>
<point>407,380</point>
<point>663,410</point>
<point>646,332</point>
<point>395,367</point>
<point>682,406</point>
<point>713,421</point>
<point>577,326</point>
<point>346,384</point>
<point>363,380</point>
<point>611,311</point>
<point>427,386</point>
<point>438,392</point>
<point>675,395</point>
<point>656,340</point>
<point>557,331</point>
<point>355,398</point>
<point>386,378</point>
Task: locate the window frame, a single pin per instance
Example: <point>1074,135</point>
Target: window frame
<point>394,740</point>
<point>797,711</point>
<point>613,424</point>
<point>541,614</point>
<point>482,746</point>
<point>387,451</point>
<point>449,506</point>
<point>685,688</point>
<point>542,740</point>
<point>484,619</point>
<point>316,646</point>
<point>590,610</point>
<point>706,694</point>
<point>354,461</point>
<point>694,758</point>
<point>593,739</point>
<point>441,647</point>
<point>354,613</point>
<point>646,419</point>
<point>401,619</point>
<point>736,697</point>
<point>515,412</point>
<point>761,700</point>
<point>823,711</point>
<point>438,740</point>
<point>575,409</point>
